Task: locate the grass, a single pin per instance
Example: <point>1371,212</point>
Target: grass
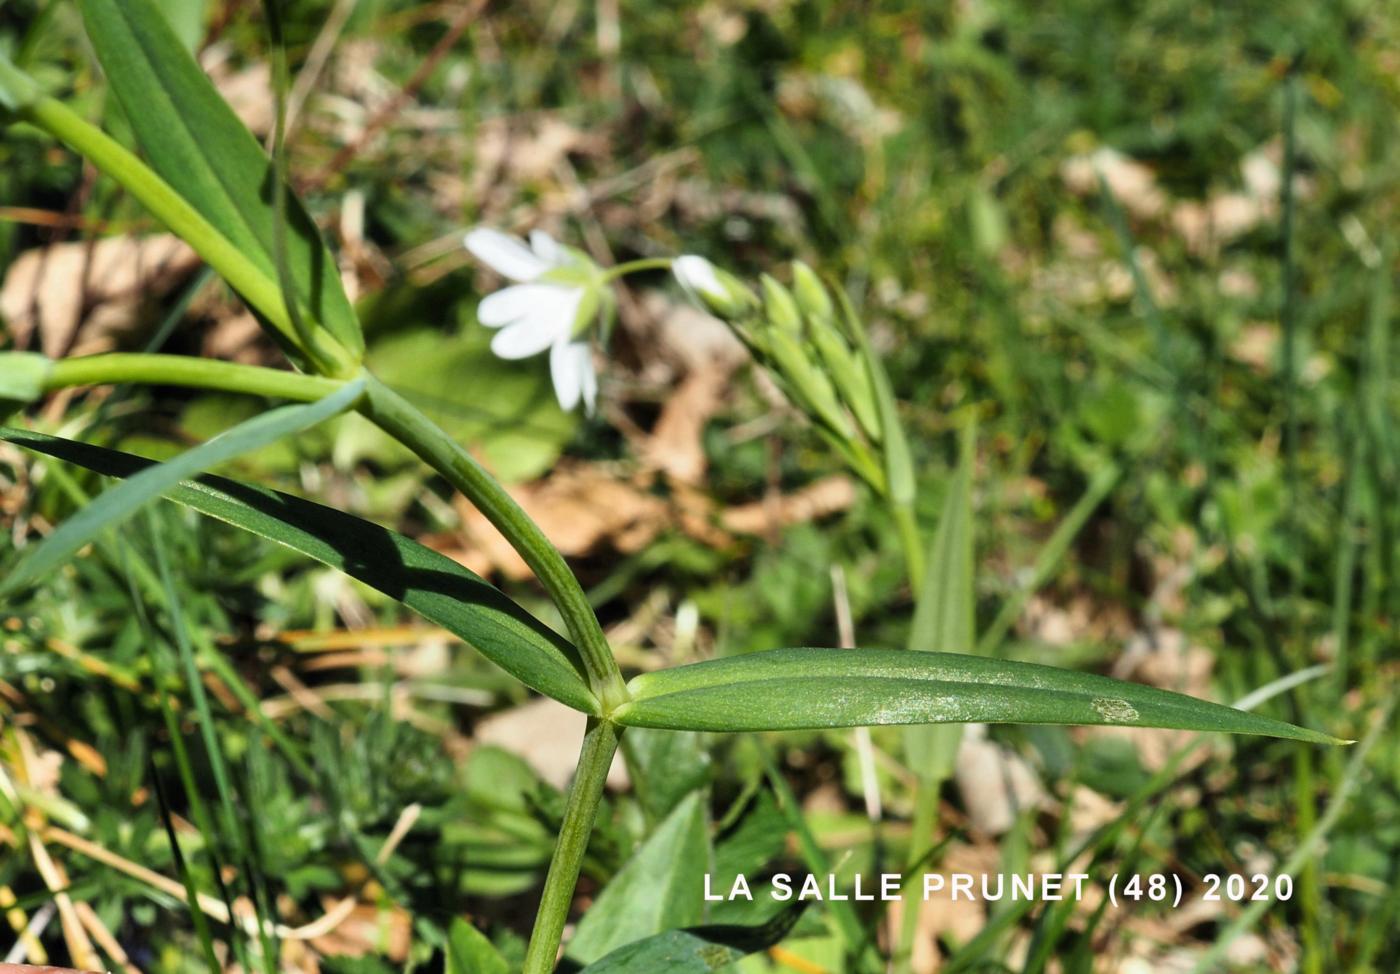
<point>1181,438</point>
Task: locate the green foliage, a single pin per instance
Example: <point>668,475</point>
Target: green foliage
<point>200,148</point>
<point>655,890</point>
<point>1145,469</point>
<point>126,499</point>
<point>433,585</point>
<point>945,611</point>
<point>793,689</point>
<point>469,952</point>
<point>519,428</point>
<point>697,950</point>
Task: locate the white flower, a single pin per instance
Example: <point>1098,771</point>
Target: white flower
<point>555,297</point>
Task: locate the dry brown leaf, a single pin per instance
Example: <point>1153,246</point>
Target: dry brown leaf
<point>1257,346</point>
<point>525,151</point>
<point>1204,227</point>
<point>1089,810</point>
<point>237,337</point>
<point>585,508</point>
<point>821,499</point>
<point>100,285</point>
<point>941,915</point>
<point>578,507</point>
<point>249,94</point>
<point>368,930</point>
<point>674,445</point>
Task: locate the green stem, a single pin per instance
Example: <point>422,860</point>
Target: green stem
<point>183,370</point>
<point>635,266</point>
<point>599,744</point>
<point>20,95</point>
<point>401,420</point>
<point>925,817</point>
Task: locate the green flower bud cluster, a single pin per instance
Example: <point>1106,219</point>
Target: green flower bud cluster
<point>816,351</point>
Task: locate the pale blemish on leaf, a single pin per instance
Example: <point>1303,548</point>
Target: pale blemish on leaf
<point>715,957</point>
<point>1114,710</point>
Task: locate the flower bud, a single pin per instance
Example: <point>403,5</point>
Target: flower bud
<point>811,294</point>
<point>850,375</point>
<point>718,291</point>
<point>811,387</point>
<point>780,307</point>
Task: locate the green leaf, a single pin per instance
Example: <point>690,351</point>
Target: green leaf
<point>856,940</point>
<point>944,614</point>
<point>670,766</point>
<point>806,688</point>
<point>899,466</point>
<point>187,19</point>
<point>658,889</point>
<point>699,950</point>
<point>195,142</point>
<point>126,499</point>
<point>431,584</point>
<point>469,952</point>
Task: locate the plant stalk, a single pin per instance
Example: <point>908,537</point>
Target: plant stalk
<point>926,791</point>
<point>634,266</point>
<point>184,370</point>
<point>599,744</point>
<point>400,419</point>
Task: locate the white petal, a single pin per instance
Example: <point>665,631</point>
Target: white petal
<point>546,249</point>
<point>564,370</point>
<point>590,382</point>
<point>504,254</point>
<point>530,336</point>
<point>516,302</point>
<point>697,274</point>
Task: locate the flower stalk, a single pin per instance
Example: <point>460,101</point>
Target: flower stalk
<point>585,794</point>
<point>405,423</point>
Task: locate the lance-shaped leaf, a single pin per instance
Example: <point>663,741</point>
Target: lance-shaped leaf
<point>944,615</point>
<point>122,501</point>
<point>192,138</point>
<point>804,688</point>
<point>431,584</point>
